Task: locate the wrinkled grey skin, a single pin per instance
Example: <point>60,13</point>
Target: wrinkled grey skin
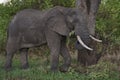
<point>32,28</point>
<point>89,8</point>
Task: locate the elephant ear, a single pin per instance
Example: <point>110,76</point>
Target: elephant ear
<point>59,25</point>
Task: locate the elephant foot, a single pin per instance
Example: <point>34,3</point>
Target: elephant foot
<point>8,67</point>
<point>26,66</point>
<point>64,68</point>
<point>54,70</point>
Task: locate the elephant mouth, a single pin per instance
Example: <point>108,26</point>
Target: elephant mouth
<point>84,45</point>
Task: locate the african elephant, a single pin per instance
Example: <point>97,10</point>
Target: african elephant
<point>32,28</point>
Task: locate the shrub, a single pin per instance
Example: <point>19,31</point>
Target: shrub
<point>108,21</point>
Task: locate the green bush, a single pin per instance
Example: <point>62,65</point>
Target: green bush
<point>108,20</point>
<point>103,71</point>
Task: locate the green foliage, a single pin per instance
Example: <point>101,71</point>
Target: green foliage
<point>108,20</point>
<point>103,71</point>
<point>40,70</point>
<point>4,19</point>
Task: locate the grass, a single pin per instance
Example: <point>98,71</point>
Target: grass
<point>40,70</point>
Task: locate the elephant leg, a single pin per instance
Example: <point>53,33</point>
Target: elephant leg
<point>66,56</point>
<point>54,43</point>
<point>24,58</point>
<point>8,62</point>
<point>11,48</point>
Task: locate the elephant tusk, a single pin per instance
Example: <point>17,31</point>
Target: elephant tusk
<point>95,38</point>
<point>82,43</point>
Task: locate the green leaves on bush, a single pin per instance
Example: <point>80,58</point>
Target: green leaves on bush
<point>108,20</point>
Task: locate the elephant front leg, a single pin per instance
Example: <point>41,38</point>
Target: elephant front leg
<point>66,56</point>
<point>24,58</point>
<point>54,43</point>
<point>54,60</point>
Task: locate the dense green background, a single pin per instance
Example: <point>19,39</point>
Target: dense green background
<point>107,28</point>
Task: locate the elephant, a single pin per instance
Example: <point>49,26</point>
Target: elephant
<point>33,28</point>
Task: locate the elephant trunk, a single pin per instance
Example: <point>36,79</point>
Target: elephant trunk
<point>82,35</point>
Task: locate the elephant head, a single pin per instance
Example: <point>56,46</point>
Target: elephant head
<point>63,20</point>
<point>81,30</point>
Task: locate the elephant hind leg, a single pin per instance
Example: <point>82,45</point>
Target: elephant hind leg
<point>11,48</point>
<point>24,58</point>
<point>66,56</point>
